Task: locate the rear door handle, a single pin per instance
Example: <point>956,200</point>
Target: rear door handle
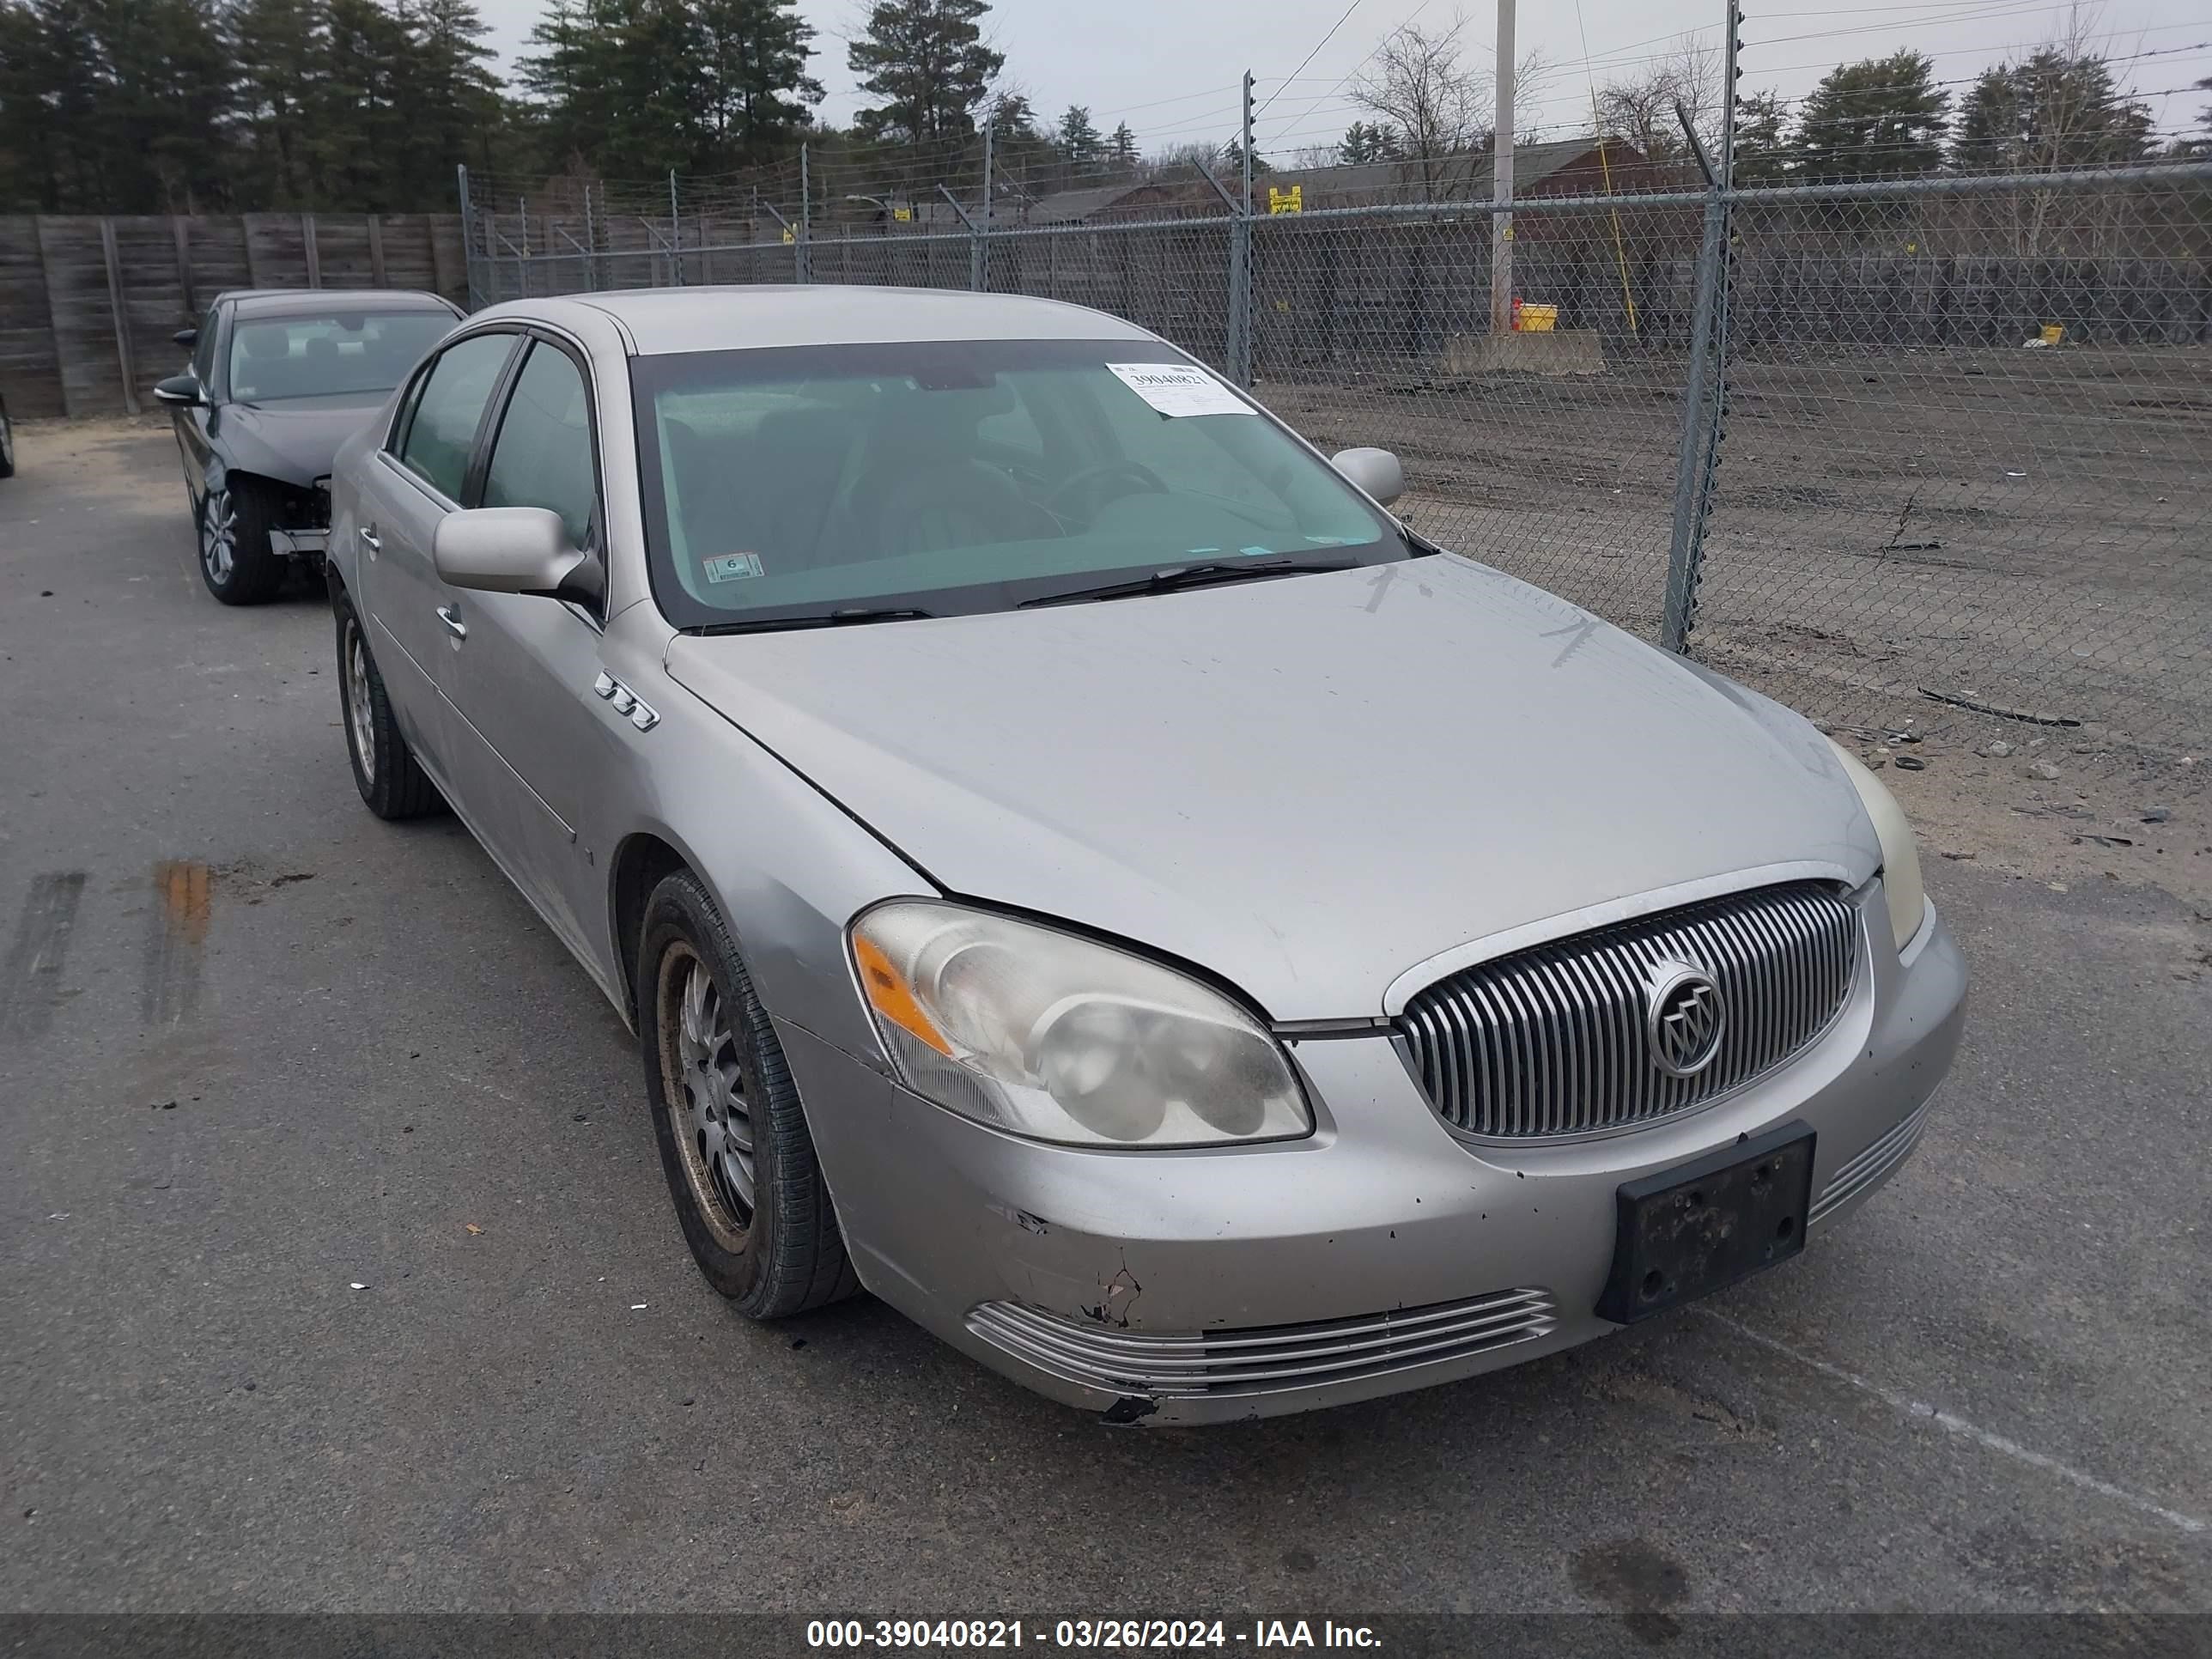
<point>367,534</point>
<point>452,618</point>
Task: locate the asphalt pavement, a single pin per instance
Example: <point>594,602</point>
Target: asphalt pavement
<point>339,1273</point>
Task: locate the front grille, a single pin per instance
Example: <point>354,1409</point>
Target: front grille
<point>1265,1359</point>
<point>1551,1040</point>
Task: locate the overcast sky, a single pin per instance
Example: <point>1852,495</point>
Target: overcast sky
<point>1170,68</point>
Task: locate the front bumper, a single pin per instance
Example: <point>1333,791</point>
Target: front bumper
<point>294,542</point>
<point>1379,1253</point>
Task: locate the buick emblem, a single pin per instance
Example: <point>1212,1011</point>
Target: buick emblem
<point>1683,1019</point>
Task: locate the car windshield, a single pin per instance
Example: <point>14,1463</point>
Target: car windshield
<point>963,477</point>
<point>341,353</point>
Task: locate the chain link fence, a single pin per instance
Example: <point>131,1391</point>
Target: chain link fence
<point>1930,451</point>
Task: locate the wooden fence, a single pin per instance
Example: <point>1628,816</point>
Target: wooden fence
<point>88,304</point>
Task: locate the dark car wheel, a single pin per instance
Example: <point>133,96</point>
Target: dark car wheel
<point>384,768</point>
<point>733,1140</point>
<point>7,444</point>
<point>235,561</point>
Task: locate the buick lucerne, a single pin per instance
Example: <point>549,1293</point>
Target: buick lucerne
<point>1079,867</point>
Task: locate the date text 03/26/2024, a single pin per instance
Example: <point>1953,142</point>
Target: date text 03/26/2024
<point>1125,1634</point>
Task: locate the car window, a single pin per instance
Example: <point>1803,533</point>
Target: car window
<point>338,354</point>
<point>963,476</point>
<point>542,455</point>
<point>448,409</point>
<point>204,349</point>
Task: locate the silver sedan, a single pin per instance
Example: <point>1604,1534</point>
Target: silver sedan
<point>1083,870</point>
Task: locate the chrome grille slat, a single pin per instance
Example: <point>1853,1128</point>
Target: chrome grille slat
<point>1267,1359</point>
<point>1550,1041</point>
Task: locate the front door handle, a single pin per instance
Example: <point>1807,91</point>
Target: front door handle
<point>367,534</point>
<point>451,616</point>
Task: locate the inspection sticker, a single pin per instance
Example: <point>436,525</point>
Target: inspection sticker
<point>1179,389</point>
<point>732,567</point>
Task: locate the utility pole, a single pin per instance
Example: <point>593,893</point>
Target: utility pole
<point>1501,186</point>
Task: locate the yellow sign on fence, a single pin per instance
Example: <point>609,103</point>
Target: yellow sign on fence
<point>902,213</point>
<point>1293,200</point>
<point>789,235</point>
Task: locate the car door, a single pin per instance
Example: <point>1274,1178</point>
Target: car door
<point>524,676</point>
<point>420,475</point>
<point>193,421</point>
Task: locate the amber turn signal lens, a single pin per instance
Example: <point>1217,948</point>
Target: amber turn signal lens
<point>889,996</point>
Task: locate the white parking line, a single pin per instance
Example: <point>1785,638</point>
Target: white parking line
<point>1953,1424</point>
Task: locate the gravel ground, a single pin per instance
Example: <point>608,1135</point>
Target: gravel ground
<point>2026,530</point>
<point>339,1274</point>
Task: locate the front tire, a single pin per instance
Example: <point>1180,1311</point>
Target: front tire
<point>232,522</point>
<point>740,1164</point>
<point>7,444</point>
<point>391,784</point>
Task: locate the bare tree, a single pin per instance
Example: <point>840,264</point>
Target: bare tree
<point>1641,108</point>
<point>1419,82</point>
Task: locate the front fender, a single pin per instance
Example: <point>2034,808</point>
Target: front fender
<point>788,866</point>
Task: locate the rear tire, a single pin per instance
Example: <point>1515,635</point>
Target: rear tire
<point>7,444</point>
<point>385,770</point>
<point>232,522</point>
<point>740,1164</point>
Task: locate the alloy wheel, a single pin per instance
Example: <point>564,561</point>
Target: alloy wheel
<point>218,534</point>
<point>360,712</point>
<point>704,1089</point>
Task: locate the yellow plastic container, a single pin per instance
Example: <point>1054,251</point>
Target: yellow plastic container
<point>2053,333</point>
<point>1538,319</point>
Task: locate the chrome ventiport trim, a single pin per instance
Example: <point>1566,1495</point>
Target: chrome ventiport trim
<point>1267,1359</point>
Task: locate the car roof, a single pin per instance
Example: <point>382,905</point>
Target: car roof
<point>729,318</point>
<point>279,301</point>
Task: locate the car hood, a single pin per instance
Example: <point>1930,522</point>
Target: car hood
<point>294,441</point>
<point>1307,786</point>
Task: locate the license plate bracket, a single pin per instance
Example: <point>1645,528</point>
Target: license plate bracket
<point>1685,1232</point>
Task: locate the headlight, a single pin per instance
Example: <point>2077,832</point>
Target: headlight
<point>1047,1035</point>
<point>1900,856</point>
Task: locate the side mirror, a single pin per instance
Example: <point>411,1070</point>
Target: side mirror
<point>186,338</point>
<point>179,391</point>
<point>1375,471</point>
<point>504,550</point>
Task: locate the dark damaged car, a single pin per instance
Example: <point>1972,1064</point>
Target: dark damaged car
<point>278,380</point>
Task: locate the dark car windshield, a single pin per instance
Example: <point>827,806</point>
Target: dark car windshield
<point>311,354</point>
<point>963,476</point>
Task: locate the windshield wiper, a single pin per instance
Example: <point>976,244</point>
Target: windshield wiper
<point>1193,575</point>
<point>843,617</point>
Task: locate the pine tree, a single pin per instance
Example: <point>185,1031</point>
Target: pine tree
<point>2057,110</point>
<point>657,115</point>
<point>1078,142</point>
<point>359,129</point>
<point>1121,149</point>
<point>927,61</point>
<point>1765,153</point>
<point>1884,118</point>
<point>568,81</point>
<point>457,110</point>
<point>279,46</point>
<point>1232,161</point>
<point>757,90</point>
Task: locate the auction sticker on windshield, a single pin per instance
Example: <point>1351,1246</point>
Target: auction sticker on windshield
<point>1180,389</point>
